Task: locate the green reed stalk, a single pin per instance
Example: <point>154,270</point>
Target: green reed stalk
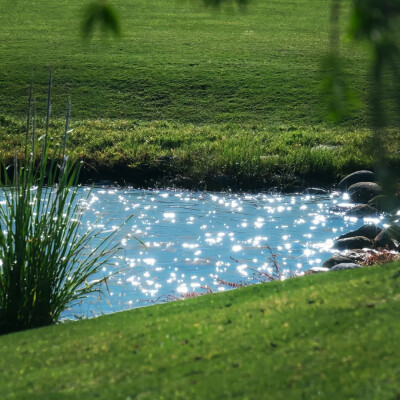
<point>46,258</point>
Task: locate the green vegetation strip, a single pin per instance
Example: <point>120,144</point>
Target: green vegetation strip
<point>329,336</point>
<point>210,156</point>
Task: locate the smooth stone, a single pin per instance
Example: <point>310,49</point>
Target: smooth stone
<point>368,231</point>
<point>317,270</point>
<point>359,254</point>
<point>362,210</point>
<point>394,230</point>
<point>313,190</point>
<point>385,203</point>
<point>356,256</point>
<point>356,242</point>
<point>362,192</point>
<point>342,207</point>
<point>104,182</point>
<point>355,177</point>
<point>336,259</point>
<point>386,241</point>
<point>344,266</point>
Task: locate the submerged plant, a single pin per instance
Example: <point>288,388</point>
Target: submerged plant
<point>46,258</point>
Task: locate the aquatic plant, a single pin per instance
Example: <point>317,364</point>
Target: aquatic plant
<point>46,257</point>
<point>274,273</point>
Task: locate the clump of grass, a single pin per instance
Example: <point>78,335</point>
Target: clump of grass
<point>46,258</point>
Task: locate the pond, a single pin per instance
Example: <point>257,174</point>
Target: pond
<point>193,240</point>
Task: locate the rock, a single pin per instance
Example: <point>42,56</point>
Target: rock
<point>355,177</point>
<point>386,241</point>
<point>394,230</point>
<point>356,242</point>
<point>368,231</point>
<point>317,270</point>
<point>336,259</point>
<point>362,192</point>
<point>363,210</point>
<point>341,208</point>
<point>313,190</point>
<point>359,255</point>
<point>385,203</point>
<point>104,182</point>
<point>344,266</point>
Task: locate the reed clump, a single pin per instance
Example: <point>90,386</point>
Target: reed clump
<point>47,257</point>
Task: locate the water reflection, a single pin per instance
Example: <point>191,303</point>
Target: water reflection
<point>191,240</point>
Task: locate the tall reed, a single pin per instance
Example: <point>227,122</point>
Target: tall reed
<point>46,257</point>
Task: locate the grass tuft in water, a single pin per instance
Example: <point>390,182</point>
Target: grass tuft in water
<point>46,257</point>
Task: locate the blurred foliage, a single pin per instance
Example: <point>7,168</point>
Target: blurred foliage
<point>374,19</point>
<point>377,22</point>
<point>338,97</point>
<point>102,14</point>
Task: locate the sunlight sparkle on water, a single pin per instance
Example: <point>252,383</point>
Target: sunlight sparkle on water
<point>189,236</point>
<point>236,248</point>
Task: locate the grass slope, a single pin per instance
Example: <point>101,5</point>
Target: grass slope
<point>329,336</point>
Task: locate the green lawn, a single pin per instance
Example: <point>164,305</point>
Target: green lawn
<point>190,93</point>
<point>209,93</point>
<point>177,60</point>
<point>329,336</point>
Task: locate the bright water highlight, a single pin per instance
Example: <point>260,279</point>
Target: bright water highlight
<point>191,240</point>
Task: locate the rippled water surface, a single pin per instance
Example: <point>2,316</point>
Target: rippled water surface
<point>193,239</point>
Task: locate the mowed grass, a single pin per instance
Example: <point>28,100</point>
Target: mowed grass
<point>329,336</point>
<point>177,60</point>
<point>190,96</point>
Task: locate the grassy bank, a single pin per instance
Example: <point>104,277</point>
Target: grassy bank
<point>330,336</point>
<point>213,156</point>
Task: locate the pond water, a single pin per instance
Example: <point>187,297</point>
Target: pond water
<point>192,240</point>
